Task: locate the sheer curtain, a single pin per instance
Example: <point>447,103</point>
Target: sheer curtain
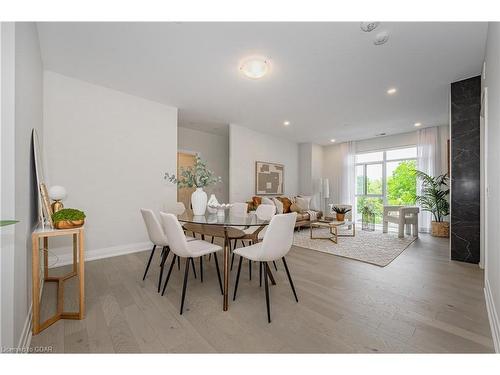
<point>427,162</point>
<point>347,180</point>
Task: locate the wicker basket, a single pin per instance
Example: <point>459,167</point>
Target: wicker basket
<point>440,229</point>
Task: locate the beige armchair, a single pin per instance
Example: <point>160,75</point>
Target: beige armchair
<point>403,216</point>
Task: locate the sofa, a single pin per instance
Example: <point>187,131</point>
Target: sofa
<point>289,205</point>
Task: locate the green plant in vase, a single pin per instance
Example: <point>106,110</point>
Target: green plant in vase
<point>340,212</point>
<point>199,177</point>
<point>434,199</point>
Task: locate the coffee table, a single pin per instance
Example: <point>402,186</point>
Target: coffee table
<point>333,227</point>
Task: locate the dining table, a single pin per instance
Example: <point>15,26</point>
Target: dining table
<point>228,227</point>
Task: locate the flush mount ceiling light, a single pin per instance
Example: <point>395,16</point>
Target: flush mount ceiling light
<point>417,124</point>
<point>254,67</point>
<point>369,26</point>
<point>286,123</point>
<point>381,38</point>
<point>392,91</point>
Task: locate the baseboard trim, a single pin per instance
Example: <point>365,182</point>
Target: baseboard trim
<point>95,254</point>
<point>492,316</point>
<point>25,339</point>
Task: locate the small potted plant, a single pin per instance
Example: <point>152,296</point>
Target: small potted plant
<point>68,218</point>
<point>340,212</point>
<point>434,199</point>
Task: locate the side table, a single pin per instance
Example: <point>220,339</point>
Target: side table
<point>78,269</point>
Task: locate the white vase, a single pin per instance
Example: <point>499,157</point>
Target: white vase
<point>199,201</point>
<point>212,202</point>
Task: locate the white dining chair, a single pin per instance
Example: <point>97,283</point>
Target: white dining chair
<point>158,237</point>
<point>276,244</point>
<point>187,249</point>
<point>263,212</point>
<point>239,210</point>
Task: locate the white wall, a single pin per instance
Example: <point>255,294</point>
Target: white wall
<point>311,172</point>
<point>110,150</point>
<point>247,146</point>
<point>214,149</point>
<point>22,104</point>
<point>492,263</point>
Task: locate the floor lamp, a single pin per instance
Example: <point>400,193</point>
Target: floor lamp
<point>325,188</point>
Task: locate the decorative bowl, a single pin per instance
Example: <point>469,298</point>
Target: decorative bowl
<point>69,224</point>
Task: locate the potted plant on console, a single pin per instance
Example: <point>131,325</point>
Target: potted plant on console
<point>434,199</point>
<point>340,212</point>
<point>68,218</point>
<point>197,176</point>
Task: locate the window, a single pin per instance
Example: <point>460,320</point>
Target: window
<point>385,177</point>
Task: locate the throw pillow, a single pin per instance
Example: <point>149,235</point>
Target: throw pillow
<point>295,208</point>
<point>266,200</point>
<point>256,201</point>
<point>286,204</point>
<point>303,203</point>
<point>279,206</point>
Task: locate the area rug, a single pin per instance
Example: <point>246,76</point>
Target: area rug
<point>371,247</point>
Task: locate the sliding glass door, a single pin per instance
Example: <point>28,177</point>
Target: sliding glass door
<point>385,177</point>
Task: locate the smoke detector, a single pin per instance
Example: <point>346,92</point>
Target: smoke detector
<point>368,26</point>
<point>380,134</point>
<point>381,38</point>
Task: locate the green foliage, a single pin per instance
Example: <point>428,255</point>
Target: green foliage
<point>434,196</point>
<point>69,214</point>
<point>371,205</point>
<point>197,176</point>
<point>402,185</point>
<point>373,186</point>
<point>4,223</point>
<point>341,210</point>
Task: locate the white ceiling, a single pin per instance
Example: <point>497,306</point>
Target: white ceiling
<point>328,79</point>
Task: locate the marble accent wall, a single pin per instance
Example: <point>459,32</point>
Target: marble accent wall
<point>465,169</point>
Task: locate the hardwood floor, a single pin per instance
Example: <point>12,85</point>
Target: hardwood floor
<point>420,303</point>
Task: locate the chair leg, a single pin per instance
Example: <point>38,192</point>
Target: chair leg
<point>212,241</point>
<point>260,274</point>
<point>186,272</point>
<point>194,269</point>
<point>237,278</point>
<point>201,268</point>
<point>218,273</point>
<point>232,261</point>
<point>161,255</point>
<point>266,284</point>
<point>249,269</point>
<point>149,262</point>
<point>290,279</point>
<point>168,274</point>
<point>179,263</point>
<point>162,265</point>
<point>275,266</point>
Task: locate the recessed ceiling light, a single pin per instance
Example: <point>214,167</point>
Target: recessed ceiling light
<point>392,91</point>
<point>368,26</point>
<point>255,67</point>
<point>381,38</point>
<point>332,140</point>
<point>286,123</point>
<point>417,124</point>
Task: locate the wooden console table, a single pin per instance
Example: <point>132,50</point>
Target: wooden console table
<point>77,235</point>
